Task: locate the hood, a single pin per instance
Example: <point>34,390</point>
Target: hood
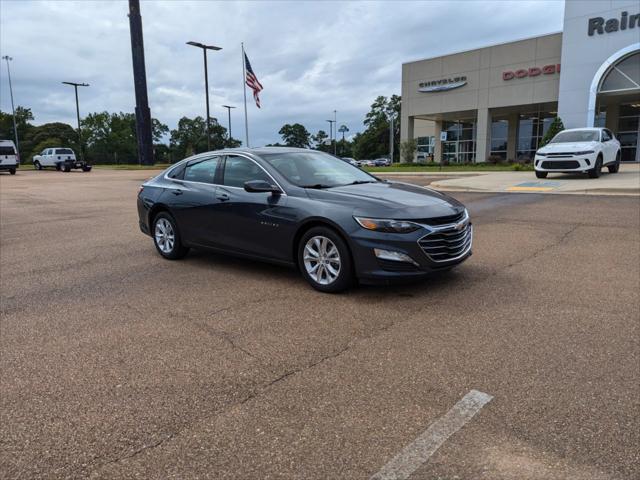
<point>391,200</point>
<point>568,147</point>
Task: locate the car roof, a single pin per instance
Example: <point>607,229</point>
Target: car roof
<point>593,129</point>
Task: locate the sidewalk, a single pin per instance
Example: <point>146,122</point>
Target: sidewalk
<point>626,182</point>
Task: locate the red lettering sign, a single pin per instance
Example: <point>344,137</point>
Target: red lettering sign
<point>531,72</point>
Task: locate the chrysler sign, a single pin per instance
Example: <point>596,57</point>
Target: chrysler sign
<point>442,85</point>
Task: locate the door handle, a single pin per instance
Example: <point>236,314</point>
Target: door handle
<point>222,197</point>
<point>177,192</point>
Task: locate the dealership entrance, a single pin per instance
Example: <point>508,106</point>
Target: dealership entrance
<point>618,104</point>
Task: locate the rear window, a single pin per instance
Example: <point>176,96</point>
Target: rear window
<point>64,151</point>
<point>7,150</point>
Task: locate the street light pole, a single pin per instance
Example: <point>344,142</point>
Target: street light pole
<point>335,140</point>
<point>206,83</point>
<point>229,107</point>
<point>75,86</point>
<point>331,122</point>
<point>15,127</point>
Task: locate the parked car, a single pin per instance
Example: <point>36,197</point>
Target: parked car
<point>366,163</point>
<point>352,161</point>
<point>579,150</point>
<point>334,222</point>
<point>382,162</point>
<point>9,158</point>
<point>61,158</point>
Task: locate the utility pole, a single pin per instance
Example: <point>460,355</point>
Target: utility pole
<point>75,87</point>
<point>206,83</point>
<point>391,137</point>
<point>335,135</point>
<point>143,114</point>
<point>13,109</point>
<point>331,122</point>
<point>229,107</point>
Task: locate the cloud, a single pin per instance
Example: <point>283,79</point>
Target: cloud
<point>311,57</point>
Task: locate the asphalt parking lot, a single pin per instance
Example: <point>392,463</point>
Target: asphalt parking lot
<point>118,364</point>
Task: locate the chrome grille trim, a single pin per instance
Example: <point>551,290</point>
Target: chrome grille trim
<point>447,245</point>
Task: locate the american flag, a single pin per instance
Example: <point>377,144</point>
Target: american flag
<point>252,81</point>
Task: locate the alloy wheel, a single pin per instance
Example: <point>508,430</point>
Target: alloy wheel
<point>322,260</point>
<point>164,235</point>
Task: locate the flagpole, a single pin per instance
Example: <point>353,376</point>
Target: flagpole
<point>244,84</point>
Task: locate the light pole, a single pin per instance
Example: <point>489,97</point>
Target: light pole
<point>391,138</point>
<point>229,107</point>
<point>206,82</point>
<point>15,128</point>
<point>335,141</point>
<point>75,86</point>
<point>331,122</point>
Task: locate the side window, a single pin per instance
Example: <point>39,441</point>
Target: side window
<point>238,170</point>
<point>203,170</point>
<point>606,136</point>
<point>177,172</point>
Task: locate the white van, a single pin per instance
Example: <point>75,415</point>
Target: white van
<point>9,159</point>
<point>62,158</point>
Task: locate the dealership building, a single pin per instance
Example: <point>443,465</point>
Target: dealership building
<point>497,102</point>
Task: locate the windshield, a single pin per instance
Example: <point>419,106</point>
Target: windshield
<point>577,136</point>
<point>316,169</point>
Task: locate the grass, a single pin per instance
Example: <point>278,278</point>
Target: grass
<point>124,166</point>
<point>474,167</point>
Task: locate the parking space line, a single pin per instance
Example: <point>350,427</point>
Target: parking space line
<point>422,448</point>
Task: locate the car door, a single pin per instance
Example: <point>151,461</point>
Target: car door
<point>47,158</point>
<point>191,195</point>
<point>253,222</point>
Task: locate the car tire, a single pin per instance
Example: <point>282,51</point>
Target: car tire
<point>615,167</point>
<point>66,168</point>
<point>86,168</point>
<point>597,168</point>
<point>166,237</point>
<point>12,171</point>
<point>37,165</point>
<point>541,174</point>
<point>58,167</point>
<point>325,261</point>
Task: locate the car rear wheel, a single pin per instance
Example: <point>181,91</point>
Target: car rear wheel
<point>166,237</point>
<point>65,168</point>
<point>12,171</point>
<point>541,174</point>
<point>37,165</point>
<point>58,166</point>
<point>615,167</point>
<point>597,168</point>
<point>325,260</point>
<point>86,168</point>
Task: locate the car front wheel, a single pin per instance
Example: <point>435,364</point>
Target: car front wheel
<point>325,260</point>
<point>37,165</point>
<point>541,174</point>
<point>597,169</point>
<point>166,237</point>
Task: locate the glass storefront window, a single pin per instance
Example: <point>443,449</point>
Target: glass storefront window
<point>629,131</point>
<point>499,138</point>
<point>460,145</point>
<point>531,129</point>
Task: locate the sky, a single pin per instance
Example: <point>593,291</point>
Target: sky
<point>312,57</point>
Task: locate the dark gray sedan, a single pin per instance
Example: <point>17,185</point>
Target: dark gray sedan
<point>307,209</point>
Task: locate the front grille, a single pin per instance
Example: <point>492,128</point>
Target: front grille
<point>446,245</point>
<point>436,221</point>
<point>561,165</point>
<point>560,155</point>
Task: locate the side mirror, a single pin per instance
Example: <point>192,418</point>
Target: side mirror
<point>261,186</point>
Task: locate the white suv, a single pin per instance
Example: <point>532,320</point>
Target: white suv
<point>8,156</point>
<point>579,150</point>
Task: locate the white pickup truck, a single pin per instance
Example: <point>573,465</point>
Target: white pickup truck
<point>62,158</point>
<point>8,156</point>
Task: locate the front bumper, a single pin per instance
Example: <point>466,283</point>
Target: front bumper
<point>371,269</point>
<point>565,163</point>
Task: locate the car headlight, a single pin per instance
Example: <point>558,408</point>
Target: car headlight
<point>586,152</point>
<point>389,226</point>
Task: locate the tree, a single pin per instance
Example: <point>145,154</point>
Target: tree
<point>55,134</point>
<point>191,137</point>
<point>556,127</point>
<point>374,141</point>
<point>23,117</point>
<point>295,135</point>
<point>319,141</point>
<point>408,150</point>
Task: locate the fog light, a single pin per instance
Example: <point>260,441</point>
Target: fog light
<point>394,256</point>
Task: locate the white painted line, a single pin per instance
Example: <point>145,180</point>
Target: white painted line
<point>422,448</point>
